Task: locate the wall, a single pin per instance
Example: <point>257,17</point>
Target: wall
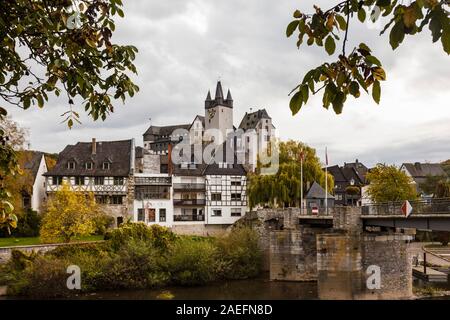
<point>5,252</point>
<point>339,265</point>
<point>343,259</point>
<point>391,253</point>
<point>200,229</point>
<point>39,196</point>
<point>293,255</point>
<point>155,204</point>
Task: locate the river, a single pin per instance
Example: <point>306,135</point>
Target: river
<point>254,289</point>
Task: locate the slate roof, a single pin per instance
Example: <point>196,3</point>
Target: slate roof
<point>165,130</point>
<point>33,162</point>
<point>250,120</point>
<point>139,152</point>
<point>202,168</point>
<point>421,170</point>
<point>343,175</point>
<point>231,169</point>
<point>219,98</point>
<point>317,192</point>
<point>118,153</point>
<point>201,118</point>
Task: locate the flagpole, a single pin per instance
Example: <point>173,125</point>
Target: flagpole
<point>326,181</point>
<point>301,183</point>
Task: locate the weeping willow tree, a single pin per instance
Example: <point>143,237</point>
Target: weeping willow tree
<point>283,189</point>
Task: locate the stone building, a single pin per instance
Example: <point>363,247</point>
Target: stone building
<point>350,175</point>
<point>105,168</point>
<point>419,172</point>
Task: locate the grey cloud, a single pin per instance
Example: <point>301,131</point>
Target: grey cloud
<point>184,46</point>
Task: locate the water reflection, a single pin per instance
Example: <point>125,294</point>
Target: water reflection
<point>255,289</point>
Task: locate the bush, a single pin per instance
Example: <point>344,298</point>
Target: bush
<point>102,224</point>
<point>135,266</point>
<point>157,236</point>
<point>45,277</point>
<point>442,236</point>
<point>239,255</point>
<point>192,262</point>
<point>28,225</point>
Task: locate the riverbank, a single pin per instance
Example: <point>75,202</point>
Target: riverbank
<point>134,257</point>
<point>31,241</point>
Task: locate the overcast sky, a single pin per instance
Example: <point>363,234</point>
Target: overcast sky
<point>186,45</point>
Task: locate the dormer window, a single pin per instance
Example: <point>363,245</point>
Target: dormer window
<point>106,166</point>
<point>71,165</point>
<point>89,165</point>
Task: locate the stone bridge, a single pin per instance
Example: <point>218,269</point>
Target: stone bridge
<point>343,248</point>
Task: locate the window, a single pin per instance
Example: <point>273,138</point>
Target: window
<point>89,165</point>
<point>216,197</point>
<point>235,212</point>
<point>71,165</point>
<point>26,202</point>
<point>106,166</point>
<point>141,215</point>
<point>236,197</point>
<point>99,181</point>
<point>79,181</point>
<point>56,181</point>
<point>118,181</point>
<point>116,199</point>
<point>101,199</point>
<point>152,192</point>
<point>217,213</point>
<point>236,182</point>
<point>162,215</point>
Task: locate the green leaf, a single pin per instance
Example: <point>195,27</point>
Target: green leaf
<point>26,102</point>
<point>362,15</point>
<point>341,21</point>
<point>445,39</point>
<point>296,103</point>
<point>297,14</point>
<point>305,92</point>
<point>397,35</point>
<point>373,60</point>
<point>330,45</point>
<point>40,100</point>
<point>291,28</point>
<point>354,89</point>
<point>338,102</point>
<point>376,91</point>
<point>383,3</point>
<point>364,47</point>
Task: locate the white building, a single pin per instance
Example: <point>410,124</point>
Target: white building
<point>153,199</point>
<point>36,165</point>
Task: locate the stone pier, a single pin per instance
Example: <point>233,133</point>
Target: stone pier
<point>346,264</point>
<point>345,260</point>
<point>293,254</point>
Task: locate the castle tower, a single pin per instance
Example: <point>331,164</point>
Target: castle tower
<point>219,112</point>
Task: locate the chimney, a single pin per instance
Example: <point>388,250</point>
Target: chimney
<point>94,146</point>
<point>169,160</point>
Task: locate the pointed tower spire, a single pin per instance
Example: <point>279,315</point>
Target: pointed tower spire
<point>219,92</point>
<point>208,99</point>
<point>229,95</point>
<point>229,99</point>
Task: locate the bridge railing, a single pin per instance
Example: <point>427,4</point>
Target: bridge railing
<point>429,206</point>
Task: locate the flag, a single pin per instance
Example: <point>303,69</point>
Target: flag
<point>326,156</point>
<point>302,155</point>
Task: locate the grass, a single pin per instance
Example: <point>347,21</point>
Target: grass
<point>13,242</point>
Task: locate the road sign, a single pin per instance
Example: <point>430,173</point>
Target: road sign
<point>407,208</point>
